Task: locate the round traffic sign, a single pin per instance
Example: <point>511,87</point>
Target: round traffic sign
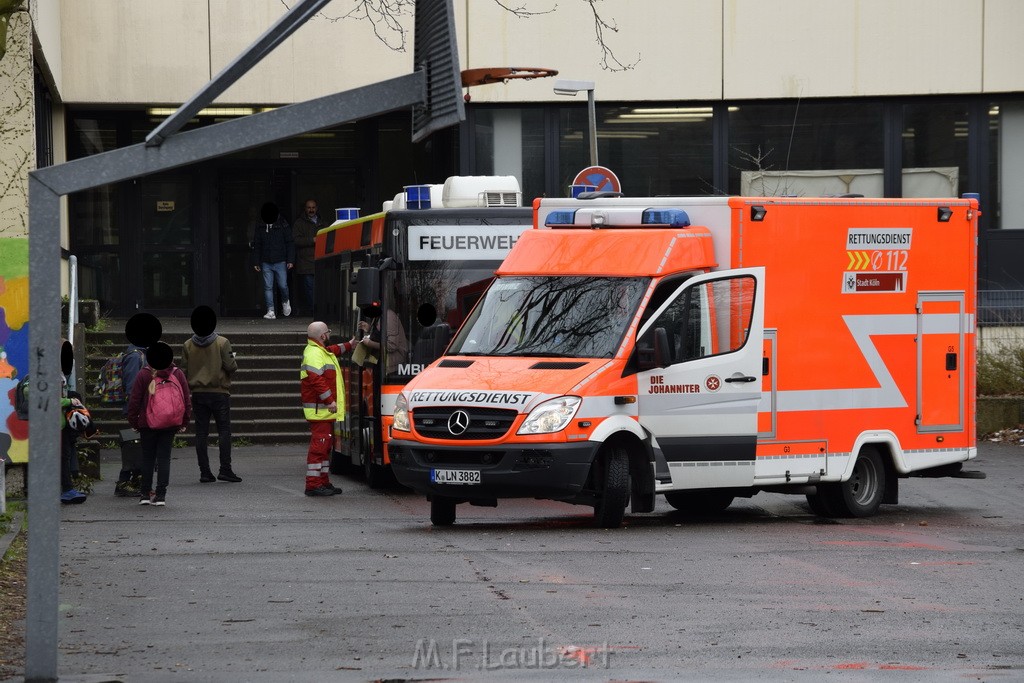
<point>600,177</point>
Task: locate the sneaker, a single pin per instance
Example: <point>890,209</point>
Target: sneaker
<point>159,501</point>
<point>322,491</point>
<point>126,489</point>
<point>229,476</point>
<point>286,308</point>
<point>145,500</point>
<point>336,490</point>
<point>271,315</point>
<point>72,497</point>
<point>206,477</point>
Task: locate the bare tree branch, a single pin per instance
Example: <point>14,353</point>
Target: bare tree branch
<point>385,16</point>
<point>609,62</point>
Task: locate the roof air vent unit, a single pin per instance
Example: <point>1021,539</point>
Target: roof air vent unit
<point>481,191</point>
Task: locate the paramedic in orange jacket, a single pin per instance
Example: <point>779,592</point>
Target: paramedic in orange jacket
<point>323,403</point>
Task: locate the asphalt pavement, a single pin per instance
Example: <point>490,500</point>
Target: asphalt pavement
<point>255,581</point>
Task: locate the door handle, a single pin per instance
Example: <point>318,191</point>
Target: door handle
<point>744,378</point>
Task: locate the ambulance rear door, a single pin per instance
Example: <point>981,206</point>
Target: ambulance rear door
<point>701,405</point>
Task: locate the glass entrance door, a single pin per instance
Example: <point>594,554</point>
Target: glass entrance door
<point>241,193</point>
<point>167,212</point>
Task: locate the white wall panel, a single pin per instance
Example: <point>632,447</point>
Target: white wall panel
<point>46,24</point>
<point>328,54</point>
<point>835,48</point>
<point>677,43</point>
<point>1004,46</point>
<point>151,51</point>
<point>161,51</point>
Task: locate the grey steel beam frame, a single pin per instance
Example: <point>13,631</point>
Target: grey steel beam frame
<point>164,149</point>
<point>271,38</point>
<point>46,186</point>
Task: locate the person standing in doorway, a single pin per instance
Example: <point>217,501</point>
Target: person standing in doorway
<point>304,232</point>
<point>209,363</point>
<point>274,254</point>
<point>323,403</point>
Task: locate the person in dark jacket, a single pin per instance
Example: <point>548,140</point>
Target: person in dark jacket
<point>141,330</point>
<point>274,254</point>
<point>304,231</point>
<point>157,443</point>
<point>209,363</point>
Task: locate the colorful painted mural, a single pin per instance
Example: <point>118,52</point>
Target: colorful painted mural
<point>13,344</point>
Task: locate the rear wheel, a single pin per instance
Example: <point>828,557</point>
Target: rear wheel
<point>375,475</point>
<point>612,483</point>
<point>861,494</point>
<point>699,502</point>
<point>442,511</point>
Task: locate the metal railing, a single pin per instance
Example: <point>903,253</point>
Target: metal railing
<point>1001,307</point>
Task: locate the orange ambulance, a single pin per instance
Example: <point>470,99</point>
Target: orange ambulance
<point>703,349</point>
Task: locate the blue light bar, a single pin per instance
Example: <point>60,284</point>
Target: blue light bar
<point>675,218</point>
<point>563,217</point>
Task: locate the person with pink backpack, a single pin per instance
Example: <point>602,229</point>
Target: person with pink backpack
<point>160,407</point>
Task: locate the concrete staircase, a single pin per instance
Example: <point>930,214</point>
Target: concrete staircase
<point>265,406</point>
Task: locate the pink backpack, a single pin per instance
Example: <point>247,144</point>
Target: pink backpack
<point>166,405</point>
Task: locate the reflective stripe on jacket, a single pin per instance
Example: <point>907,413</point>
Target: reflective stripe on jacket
<point>321,382</point>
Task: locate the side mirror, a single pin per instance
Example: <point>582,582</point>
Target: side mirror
<point>658,357</point>
<point>367,288</point>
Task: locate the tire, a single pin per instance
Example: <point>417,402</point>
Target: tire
<point>861,494</point>
<point>375,475</point>
<point>699,502</point>
<point>612,484</point>
<point>442,511</point>
<point>819,503</point>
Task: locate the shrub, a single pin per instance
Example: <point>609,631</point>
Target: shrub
<point>1001,370</point>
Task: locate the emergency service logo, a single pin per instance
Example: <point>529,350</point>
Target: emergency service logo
<point>482,399</point>
<point>712,383</point>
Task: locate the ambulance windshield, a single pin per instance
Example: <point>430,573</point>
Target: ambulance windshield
<point>551,316</point>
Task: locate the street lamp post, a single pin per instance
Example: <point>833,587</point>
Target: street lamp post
<point>570,88</point>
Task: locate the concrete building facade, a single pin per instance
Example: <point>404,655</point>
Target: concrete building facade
<point>875,97</point>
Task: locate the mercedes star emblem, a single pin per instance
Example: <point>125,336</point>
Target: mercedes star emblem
<point>458,423</point>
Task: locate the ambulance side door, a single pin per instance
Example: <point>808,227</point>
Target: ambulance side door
<point>700,405</point>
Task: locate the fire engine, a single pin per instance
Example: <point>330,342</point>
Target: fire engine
<point>702,349</point>
<point>422,261</point>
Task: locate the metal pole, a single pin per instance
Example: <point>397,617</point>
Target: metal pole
<point>44,434</point>
<point>72,310</point>
<point>592,116</point>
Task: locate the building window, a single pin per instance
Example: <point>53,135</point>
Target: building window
<point>791,149</point>
<point>935,149</point>
<point>511,142</point>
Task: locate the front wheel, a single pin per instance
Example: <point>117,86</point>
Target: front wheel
<point>612,484</point>
<point>861,494</point>
<point>442,511</point>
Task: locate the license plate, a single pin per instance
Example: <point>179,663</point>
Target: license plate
<point>455,476</point>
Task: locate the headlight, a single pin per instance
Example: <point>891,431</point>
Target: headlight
<point>551,416</point>
<point>401,416</point>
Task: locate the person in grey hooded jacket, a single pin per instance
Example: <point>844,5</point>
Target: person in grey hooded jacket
<point>209,363</point>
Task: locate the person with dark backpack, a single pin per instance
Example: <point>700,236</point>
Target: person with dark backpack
<point>160,407</point>
<point>141,330</point>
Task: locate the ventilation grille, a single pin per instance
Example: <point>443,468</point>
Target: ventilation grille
<point>484,423</point>
<point>455,364</point>
<point>557,365</point>
<point>492,199</point>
